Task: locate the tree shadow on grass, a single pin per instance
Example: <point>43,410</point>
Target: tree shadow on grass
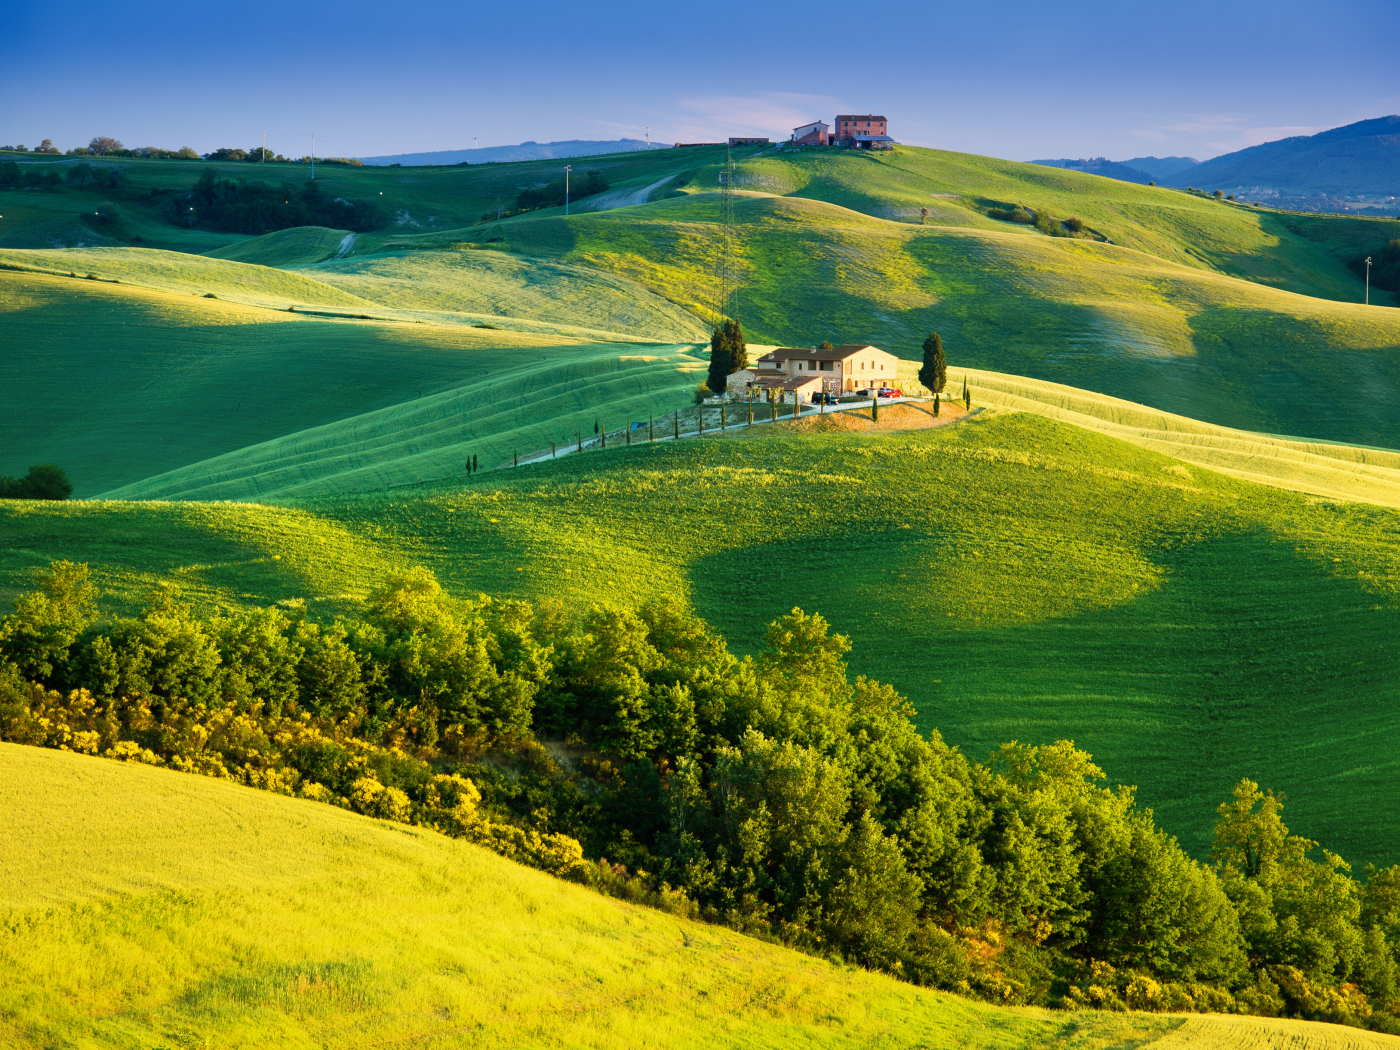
<point>1246,660</point>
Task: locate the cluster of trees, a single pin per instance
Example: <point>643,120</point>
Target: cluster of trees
<point>28,176</point>
<point>46,147</point>
<point>1041,219</point>
<point>259,154</point>
<point>248,206</point>
<point>45,481</point>
<point>772,793</point>
<point>552,195</point>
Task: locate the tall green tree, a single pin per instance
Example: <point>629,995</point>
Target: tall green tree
<point>728,354</point>
<point>934,372</point>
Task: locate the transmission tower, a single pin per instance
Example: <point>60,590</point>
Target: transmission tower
<point>725,270</point>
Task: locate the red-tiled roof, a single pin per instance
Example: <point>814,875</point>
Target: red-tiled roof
<point>790,353</point>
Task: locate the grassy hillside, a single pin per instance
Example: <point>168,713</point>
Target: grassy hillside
<point>1018,578</point>
<point>120,383</point>
<point>957,189</point>
<point>297,246</point>
<point>147,908</point>
<point>1089,315</point>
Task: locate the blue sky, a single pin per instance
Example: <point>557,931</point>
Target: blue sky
<point>1017,80</point>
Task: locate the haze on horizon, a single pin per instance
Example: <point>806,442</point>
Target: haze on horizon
<point>1088,79</point>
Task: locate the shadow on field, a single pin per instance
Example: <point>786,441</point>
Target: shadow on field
<point>1236,657</point>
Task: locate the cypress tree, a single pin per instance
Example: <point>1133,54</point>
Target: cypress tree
<point>475,465</point>
<point>934,372</point>
<point>935,405</point>
<point>728,354</point>
<point>875,406</point>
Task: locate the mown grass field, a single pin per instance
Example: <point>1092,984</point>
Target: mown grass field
<point>1017,577</point>
<point>149,908</point>
<point>120,383</point>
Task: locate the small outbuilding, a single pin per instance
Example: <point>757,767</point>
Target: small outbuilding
<point>817,133</point>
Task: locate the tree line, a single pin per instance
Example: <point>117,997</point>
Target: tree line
<point>773,793</point>
<point>252,206</point>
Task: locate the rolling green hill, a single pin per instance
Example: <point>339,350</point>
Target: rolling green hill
<point>148,907</point>
<point>1084,314</point>
<point>1017,577</point>
<point>120,383</point>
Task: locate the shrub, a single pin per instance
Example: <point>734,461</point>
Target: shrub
<point>45,481</point>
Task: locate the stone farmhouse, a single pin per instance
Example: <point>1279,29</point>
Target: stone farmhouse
<point>804,372</point>
<point>862,131</point>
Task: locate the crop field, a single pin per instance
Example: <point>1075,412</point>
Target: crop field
<point>146,909</point>
<point>1016,577</point>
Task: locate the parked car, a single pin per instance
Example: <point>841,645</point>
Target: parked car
<point>824,397</point>
<point>887,391</point>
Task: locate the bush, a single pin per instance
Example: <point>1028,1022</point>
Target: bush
<point>1011,214</point>
<point>46,481</point>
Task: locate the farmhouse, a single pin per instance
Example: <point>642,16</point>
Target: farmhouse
<point>862,130</point>
<point>813,134</point>
<point>854,366</point>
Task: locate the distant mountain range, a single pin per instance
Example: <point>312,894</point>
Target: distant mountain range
<point>522,151</point>
<point>1358,162</point>
<point>1138,170</point>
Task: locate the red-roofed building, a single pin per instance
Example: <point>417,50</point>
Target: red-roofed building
<point>862,130</point>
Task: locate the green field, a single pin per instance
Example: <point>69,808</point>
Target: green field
<point>342,335</point>
<point>154,908</point>
<point>1016,577</point>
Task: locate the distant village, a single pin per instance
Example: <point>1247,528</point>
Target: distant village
<point>851,130</point>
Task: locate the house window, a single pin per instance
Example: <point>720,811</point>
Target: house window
<point>826,366</point>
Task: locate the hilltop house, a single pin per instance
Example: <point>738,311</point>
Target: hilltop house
<point>862,131</point>
<point>813,134</point>
<point>854,366</point>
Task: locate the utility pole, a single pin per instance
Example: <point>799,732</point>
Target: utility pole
<point>1368,280</point>
<point>264,150</point>
<point>567,168</point>
<point>313,154</point>
<point>476,150</point>
<point>648,138</point>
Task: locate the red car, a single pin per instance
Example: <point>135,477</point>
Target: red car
<point>890,392</point>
